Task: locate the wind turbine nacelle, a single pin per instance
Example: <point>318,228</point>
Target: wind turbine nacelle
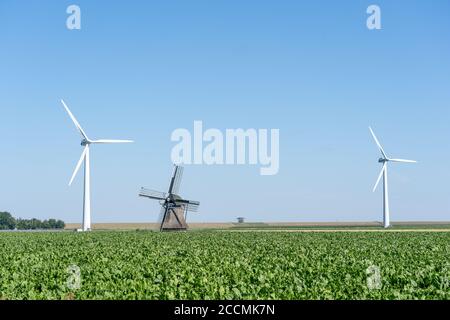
<point>84,142</point>
<point>382,160</point>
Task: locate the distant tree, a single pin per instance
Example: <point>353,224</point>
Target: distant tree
<point>45,225</point>
<point>21,224</point>
<point>51,224</point>
<point>33,224</point>
<point>7,221</point>
<point>60,224</point>
<point>36,224</point>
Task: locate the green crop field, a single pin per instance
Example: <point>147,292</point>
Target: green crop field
<point>225,265</point>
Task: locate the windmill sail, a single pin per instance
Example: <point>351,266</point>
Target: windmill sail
<point>177,182</point>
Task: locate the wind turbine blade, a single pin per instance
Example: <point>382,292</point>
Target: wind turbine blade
<point>378,143</point>
<point>111,141</point>
<point>83,155</point>
<point>379,177</point>
<point>74,120</point>
<point>403,160</point>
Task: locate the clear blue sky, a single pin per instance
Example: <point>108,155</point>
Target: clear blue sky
<point>140,69</point>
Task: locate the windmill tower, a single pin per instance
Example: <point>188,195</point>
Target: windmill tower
<point>174,209</point>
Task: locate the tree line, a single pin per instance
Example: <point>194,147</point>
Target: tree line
<point>8,222</point>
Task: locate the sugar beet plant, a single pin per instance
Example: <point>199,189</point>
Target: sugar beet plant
<point>225,265</point>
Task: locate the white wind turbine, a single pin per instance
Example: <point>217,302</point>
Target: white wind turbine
<point>86,142</point>
<point>384,160</point>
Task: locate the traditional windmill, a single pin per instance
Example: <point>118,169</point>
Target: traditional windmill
<point>173,208</point>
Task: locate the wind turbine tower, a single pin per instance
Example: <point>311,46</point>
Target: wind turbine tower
<point>85,158</point>
<point>384,160</point>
